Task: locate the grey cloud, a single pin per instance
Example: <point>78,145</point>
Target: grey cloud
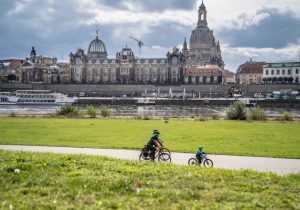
<point>6,5</point>
<point>52,26</point>
<point>277,30</point>
<point>152,5</point>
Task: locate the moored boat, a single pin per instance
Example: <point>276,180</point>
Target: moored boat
<point>7,98</point>
<point>42,97</point>
<point>145,101</point>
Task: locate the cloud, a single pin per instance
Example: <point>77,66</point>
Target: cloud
<point>59,27</point>
<point>54,27</point>
<point>266,28</point>
<point>235,56</point>
<point>148,5</point>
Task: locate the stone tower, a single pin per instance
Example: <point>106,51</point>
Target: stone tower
<point>185,49</point>
<point>203,48</point>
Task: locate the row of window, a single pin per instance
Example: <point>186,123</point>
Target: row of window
<point>283,71</point>
<point>98,61</point>
<point>137,78</point>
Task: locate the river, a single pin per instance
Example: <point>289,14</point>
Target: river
<point>142,111</point>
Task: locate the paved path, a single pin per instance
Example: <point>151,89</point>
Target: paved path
<point>276,165</point>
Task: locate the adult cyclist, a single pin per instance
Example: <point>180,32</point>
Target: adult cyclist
<point>153,143</point>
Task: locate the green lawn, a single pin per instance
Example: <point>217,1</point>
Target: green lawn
<point>270,139</point>
<point>51,181</point>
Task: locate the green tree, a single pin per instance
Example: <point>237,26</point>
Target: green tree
<point>91,111</point>
<point>104,111</point>
<point>68,110</point>
<point>285,116</point>
<point>257,114</point>
<point>236,111</point>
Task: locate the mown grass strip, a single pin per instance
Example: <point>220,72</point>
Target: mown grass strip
<point>52,181</point>
<point>269,139</point>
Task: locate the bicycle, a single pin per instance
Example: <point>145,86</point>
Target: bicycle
<point>159,154</point>
<point>204,160</point>
<point>162,149</point>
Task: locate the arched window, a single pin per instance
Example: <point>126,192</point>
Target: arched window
<point>202,17</point>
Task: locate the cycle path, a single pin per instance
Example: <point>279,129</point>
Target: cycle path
<point>277,165</point>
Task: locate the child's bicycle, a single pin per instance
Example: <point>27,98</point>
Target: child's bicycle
<point>204,160</point>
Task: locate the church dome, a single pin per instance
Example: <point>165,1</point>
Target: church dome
<point>97,48</point>
<point>126,54</point>
<point>201,36</point>
<point>127,51</point>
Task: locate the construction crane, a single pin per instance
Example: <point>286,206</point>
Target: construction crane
<point>140,43</point>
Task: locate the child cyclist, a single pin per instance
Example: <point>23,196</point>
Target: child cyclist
<point>153,143</point>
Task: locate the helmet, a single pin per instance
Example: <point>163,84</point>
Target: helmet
<point>200,147</point>
<point>155,131</point>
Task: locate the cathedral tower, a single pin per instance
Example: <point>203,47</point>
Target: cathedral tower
<point>202,15</point>
<point>203,50</point>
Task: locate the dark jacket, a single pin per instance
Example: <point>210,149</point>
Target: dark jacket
<point>151,141</point>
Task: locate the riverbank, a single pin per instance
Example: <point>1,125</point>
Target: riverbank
<point>247,138</point>
<point>146,112</point>
<point>189,102</point>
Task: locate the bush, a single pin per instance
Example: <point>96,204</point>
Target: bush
<point>139,117</point>
<point>257,114</point>
<point>12,114</point>
<point>104,111</point>
<point>236,111</point>
<point>285,116</point>
<point>201,119</point>
<point>215,116</point>
<point>68,110</point>
<point>91,111</point>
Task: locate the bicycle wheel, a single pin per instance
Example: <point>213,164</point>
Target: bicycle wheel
<point>165,157</point>
<point>193,161</point>
<point>208,163</point>
<point>144,155</point>
<point>165,150</point>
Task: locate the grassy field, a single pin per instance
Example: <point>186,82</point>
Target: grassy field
<point>269,139</point>
<point>51,181</point>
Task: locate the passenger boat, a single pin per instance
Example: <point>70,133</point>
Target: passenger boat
<point>42,97</point>
<point>7,98</point>
<point>145,101</point>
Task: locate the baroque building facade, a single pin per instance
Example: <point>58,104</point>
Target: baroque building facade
<point>38,68</point>
<point>200,64</point>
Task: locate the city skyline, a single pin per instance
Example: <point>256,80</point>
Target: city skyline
<point>261,30</point>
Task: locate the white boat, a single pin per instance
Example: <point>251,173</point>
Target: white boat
<point>247,103</point>
<point>8,98</point>
<point>145,101</point>
<point>42,97</point>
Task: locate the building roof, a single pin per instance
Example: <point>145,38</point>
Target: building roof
<point>227,72</point>
<point>251,68</point>
<point>209,69</point>
<point>97,48</point>
<point>282,64</point>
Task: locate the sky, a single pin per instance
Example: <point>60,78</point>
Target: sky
<point>263,30</point>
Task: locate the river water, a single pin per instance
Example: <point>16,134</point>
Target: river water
<point>143,111</point>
